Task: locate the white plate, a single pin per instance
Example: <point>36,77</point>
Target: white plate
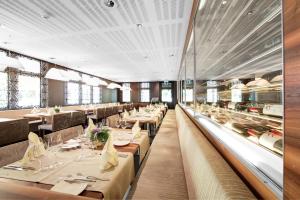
<point>121,143</point>
<point>70,146</point>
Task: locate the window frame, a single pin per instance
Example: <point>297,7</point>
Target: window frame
<point>145,86</point>
<point>67,93</point>
<point>125,91</point>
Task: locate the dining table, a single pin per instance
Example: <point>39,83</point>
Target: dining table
<point>51,169</point>
<point>6,119</point>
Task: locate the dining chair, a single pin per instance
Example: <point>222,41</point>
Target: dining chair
<point>12,153</point>
<point>59,121</point>
<point>13,131</point>
<point>77,118</point>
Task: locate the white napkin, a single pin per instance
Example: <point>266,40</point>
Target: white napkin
<point>134,112</point>
<point>34,110</point>
<point>136,130</point>
<point>109,155</point>
<point>125,114</point>
<point>90,127</point>
<point>35,149</point>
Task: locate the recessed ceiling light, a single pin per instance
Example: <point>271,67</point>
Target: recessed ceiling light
<point>250,12</point>
<point>224,2</point>
<point>139,25</point>
<point>171,55</point>
<point>45,16</point>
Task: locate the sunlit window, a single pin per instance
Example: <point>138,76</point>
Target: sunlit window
<point>28,91</point>
<point>3,90</point>
<point>30,65</point>
<point>96,94</point>
<point>189,95</point>
<point>145,92</point>
<point>126,94</point>
<point>72,93</point>
<point>86,94</point>
<point>212,95</point>
<point>166,95</point>
<point>236,95</point>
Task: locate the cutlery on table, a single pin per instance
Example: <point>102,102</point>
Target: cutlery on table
<point>19,168</point>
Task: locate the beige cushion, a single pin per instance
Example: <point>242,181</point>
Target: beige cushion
<point>208,175</point>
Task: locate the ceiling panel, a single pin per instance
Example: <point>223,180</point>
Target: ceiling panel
<point>89,36</point>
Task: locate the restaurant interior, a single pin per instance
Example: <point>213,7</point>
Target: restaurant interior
<point>149,99</point>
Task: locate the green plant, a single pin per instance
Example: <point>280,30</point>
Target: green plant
<point>56,109</point>
<point>99,134</point>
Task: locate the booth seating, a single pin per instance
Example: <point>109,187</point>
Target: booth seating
<point>58,122</point>
<point>183,164</point>
<point>13,131</point>
<point>207,174</point>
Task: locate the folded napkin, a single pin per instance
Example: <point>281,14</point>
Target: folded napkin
<point>125,114</point>
<point>90,127</point>
<point>34,110</point>
<point>133,112</point>
<point>136,130</point>
<point>35,149</point>
<point>109,155</point>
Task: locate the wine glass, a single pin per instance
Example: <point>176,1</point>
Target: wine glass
<point>123,124</point>
<point>118,123</point>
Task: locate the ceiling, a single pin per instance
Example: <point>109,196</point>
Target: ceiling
<point>90,37</point>
<point>236,39</point>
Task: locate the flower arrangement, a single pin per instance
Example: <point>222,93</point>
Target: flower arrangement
<point>99,136</point>
<point>56,109</point>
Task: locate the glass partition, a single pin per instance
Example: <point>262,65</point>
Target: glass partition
<point>238,80</point>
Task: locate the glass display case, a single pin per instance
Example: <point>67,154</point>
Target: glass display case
<point>234,66</point>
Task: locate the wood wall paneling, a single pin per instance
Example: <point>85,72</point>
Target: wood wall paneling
<point>56,93</point>
<point>291,19</point>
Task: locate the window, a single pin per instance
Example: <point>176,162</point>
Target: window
<point>236,95</point>
<point>145,92</point>
<point>72,93</point>
<point>126,93</point>
<point>212,95</point>
<point>166,95</point>
<point>166,92</point>
<point>86,94</point>
<point>30,65</point>
<point>3,90</point>
<point>29,91</point>
<point>189,96</point>
<point>96,94</point>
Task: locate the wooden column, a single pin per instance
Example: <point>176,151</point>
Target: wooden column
<point>291,24</point>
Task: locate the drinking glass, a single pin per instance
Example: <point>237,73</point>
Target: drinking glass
<point>123,124</point>
<point>118,123</point>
